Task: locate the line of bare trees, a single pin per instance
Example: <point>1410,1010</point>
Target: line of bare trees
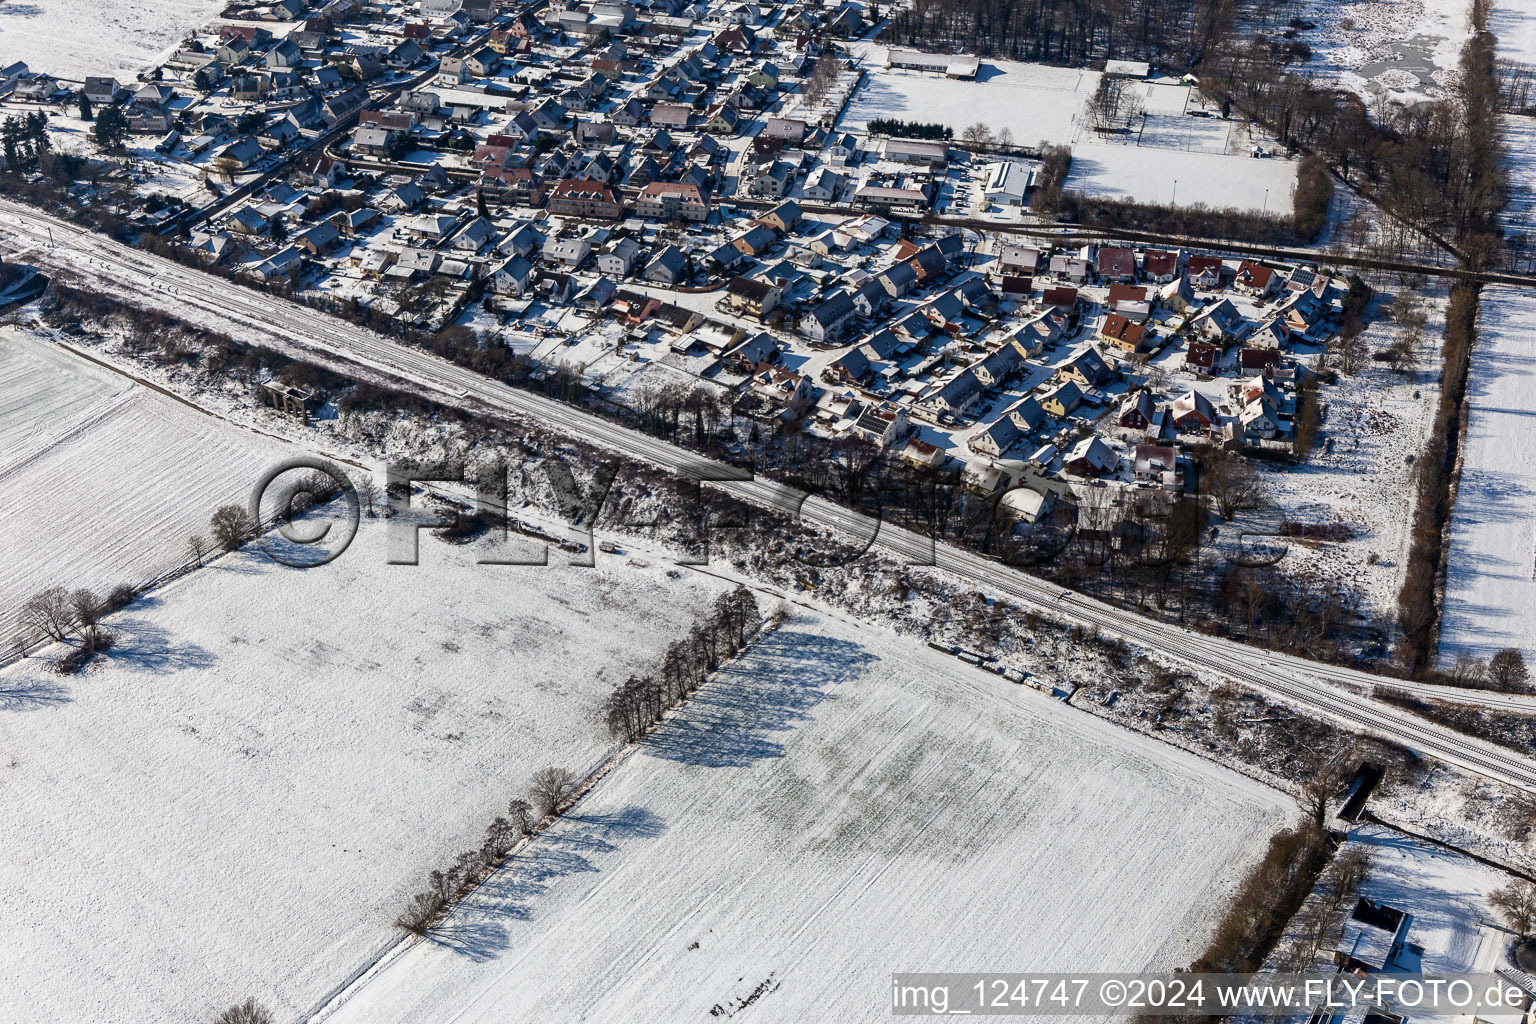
<point>548,791</point>
<point>1418,605</point>
<point>59,615</point>
<point>640,701</point>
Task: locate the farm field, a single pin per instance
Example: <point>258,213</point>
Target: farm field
<point>837,806</point>
<point>1490,588</point>
<point>103,480</point>
<point>240,799</point>
<point>104,37</point>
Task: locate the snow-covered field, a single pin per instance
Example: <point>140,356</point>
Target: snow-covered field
<point>1035,102</point>
<point>1520,147</point>
<point>1513,22</point>
<point>1490,588</point>
<point>1401,50</point>
<point>243,796</point>
<point>838,806</point>
<point>1167,176</point>
<point>102,480</point>
<point>103,37</point>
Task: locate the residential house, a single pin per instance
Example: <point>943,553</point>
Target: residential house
<point>828,318</point>
<point>1086,368</point>
<point>1205,272</point>
<point>618,258</point>
<point>1161,265</point>
<point>593,200</point>
<point>1193,413</point>
<point>101,91</point>
<point>569,253</point>
<point>824,185</point>
<point>957,395</point>
<point>1061,399</point>
<point>785,216</point>
<point>755,240</point>
<point>883,424</point>
<point>1090,457</point>
<point>996,437</point>
<point>1257,280</point>
<point>1117,265</point>
<point>1220,322</point>
<point>750,297</point>
<point>1018,259</point>
<point>666,200</point>
<point>1126,334</point>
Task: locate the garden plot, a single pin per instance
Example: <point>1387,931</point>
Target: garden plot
<point>1164,176</point>
<point>1360,479</point>
<point>1490,587</point>
<point>240,799</point>
<point>103,481</point>
<point>838,806</point>
<point>105,37</point>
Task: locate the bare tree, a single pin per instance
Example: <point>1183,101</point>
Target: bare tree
<point>1516,903</point>
<point>977,135</point>
<point>49,613</point>
<point>88,611</point>
<point>231,526</point>
<point>1467,671</point>
<point>198,544</point>
<point>521,813</point>
<point>549,786</point>
<point>367,493</point>
<point>248,1012</point>
<point>1232,484</point>
<point>500,834</point>
<point>1507,671</point>
<point>1324,776</point>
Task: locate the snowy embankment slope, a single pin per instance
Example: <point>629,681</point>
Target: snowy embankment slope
<point>838,806</point>
<point>103,37</point>
<point>1490,589</point>
<point>102,480</point>
<point>242,797</point>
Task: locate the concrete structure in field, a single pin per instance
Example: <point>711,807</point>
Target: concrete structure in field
<point>289,400</point>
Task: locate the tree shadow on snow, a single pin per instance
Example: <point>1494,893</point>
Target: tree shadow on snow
<point>141,643</point>
<point>477,932</point>
<point>32,695</point>
<point>735,720</point>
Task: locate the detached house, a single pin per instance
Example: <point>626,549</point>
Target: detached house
<point>1256,279</point>
<point>750,297</point>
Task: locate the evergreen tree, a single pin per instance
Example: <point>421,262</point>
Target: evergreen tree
<point>111,128</point>
<point>85,108</point>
